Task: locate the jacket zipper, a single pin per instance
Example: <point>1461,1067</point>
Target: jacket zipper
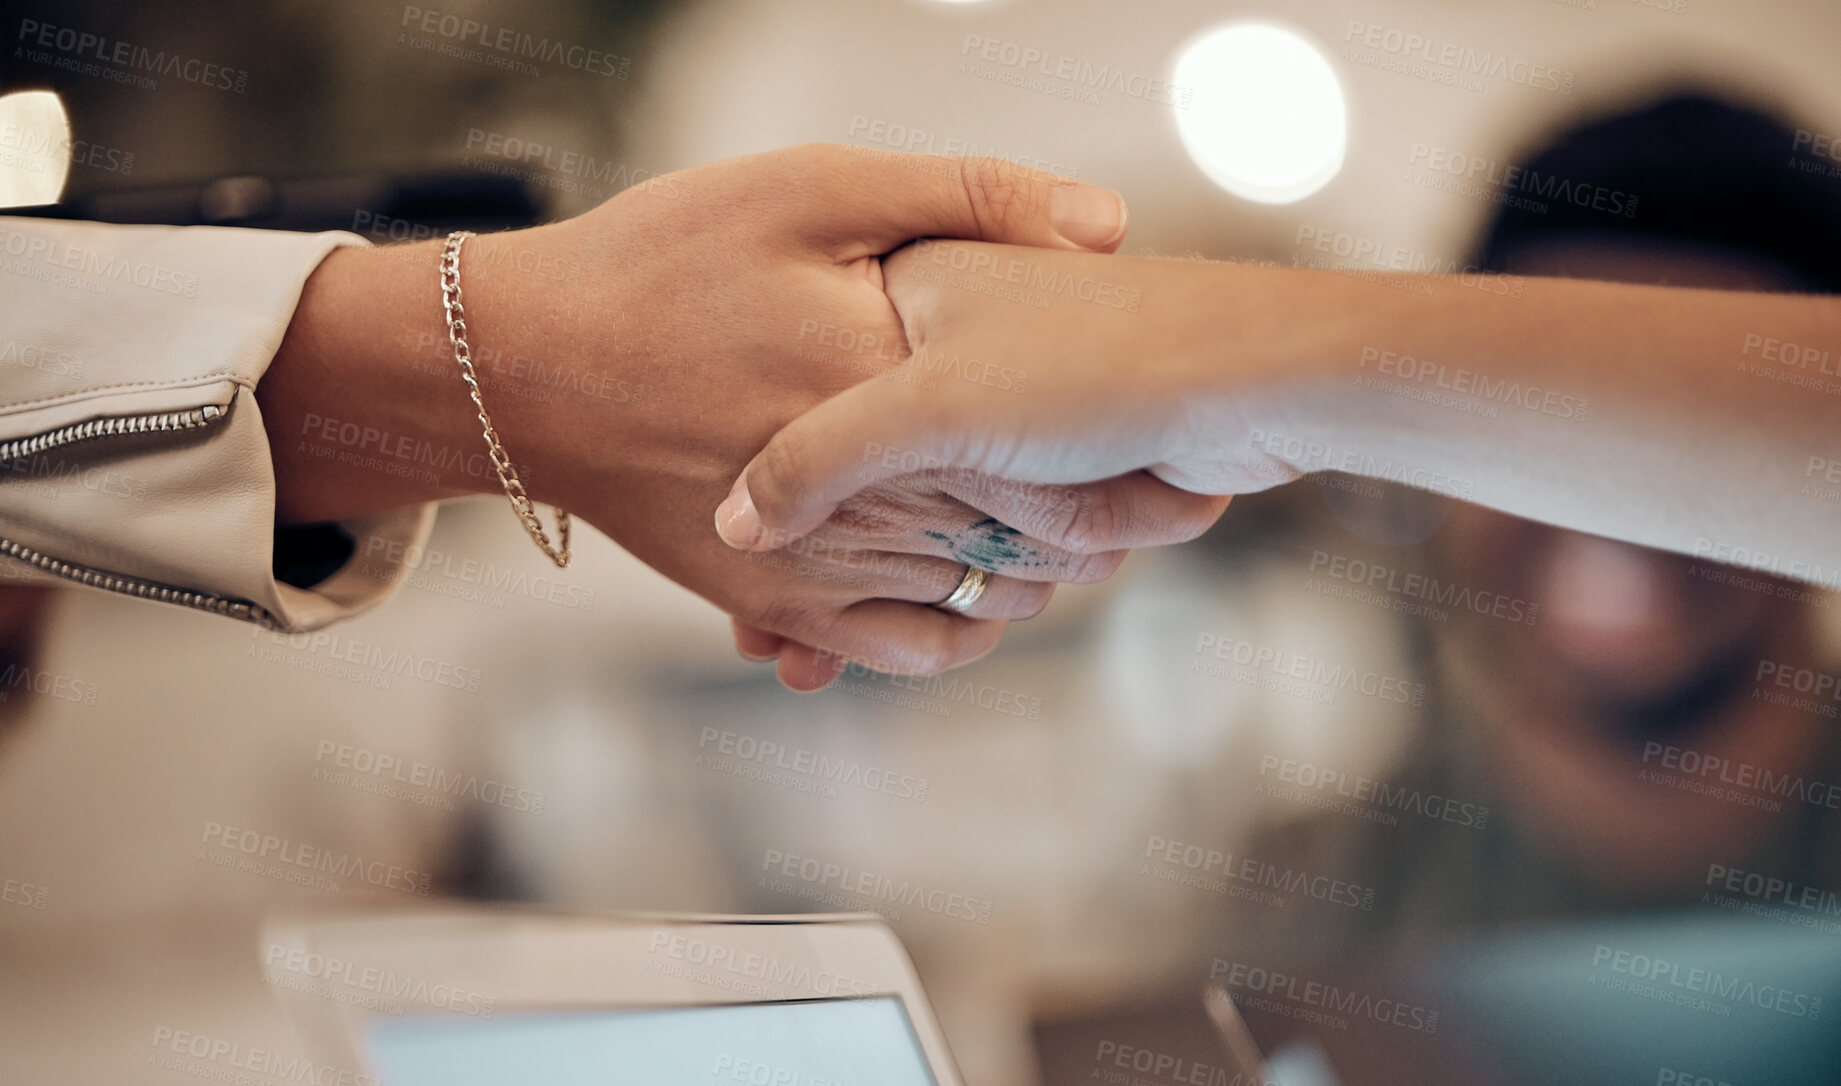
<point>120,426</point>
<point>115,426</point>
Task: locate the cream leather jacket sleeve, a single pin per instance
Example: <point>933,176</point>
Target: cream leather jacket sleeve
<point>132,452</point>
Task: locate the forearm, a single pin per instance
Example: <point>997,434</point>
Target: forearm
<point>1653,415</point>
<point>1642,413</point>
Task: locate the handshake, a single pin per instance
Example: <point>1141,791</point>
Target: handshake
<point>733,314</point>
<point>907,442</point>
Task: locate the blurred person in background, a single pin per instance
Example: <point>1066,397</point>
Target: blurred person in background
<point>1555,742</point>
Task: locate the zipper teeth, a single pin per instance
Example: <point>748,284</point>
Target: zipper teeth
<point>114,426</point>
<point>135,586</point>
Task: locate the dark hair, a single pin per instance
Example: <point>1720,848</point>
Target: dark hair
<point>1701,171</point>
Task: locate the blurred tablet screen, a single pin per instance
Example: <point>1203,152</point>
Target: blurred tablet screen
<point>828,1042</point>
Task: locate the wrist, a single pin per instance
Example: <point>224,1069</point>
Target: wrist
<point>1249,356</point>
<point>550,360</point>
<point>363,404</point>
<point>1329,403</point>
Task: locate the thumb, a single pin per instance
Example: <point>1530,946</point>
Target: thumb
<point>888,200</point>
<point>854,440</point>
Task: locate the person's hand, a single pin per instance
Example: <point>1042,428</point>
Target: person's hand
<point>1105,399</point>
<point>719,304</point>
<point>1029,535</point>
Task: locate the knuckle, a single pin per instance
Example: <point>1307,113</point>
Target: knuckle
<point>1093,524</point>
<point>871,515</point>
<point>999,197</point>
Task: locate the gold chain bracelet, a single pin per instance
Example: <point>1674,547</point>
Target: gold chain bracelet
<point>501,463</point>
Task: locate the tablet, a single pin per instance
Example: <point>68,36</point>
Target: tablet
<point>487,997</point>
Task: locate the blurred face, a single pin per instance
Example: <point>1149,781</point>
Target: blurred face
<point>1633,646</point>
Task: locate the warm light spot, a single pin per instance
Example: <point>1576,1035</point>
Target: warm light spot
<point>1265,117</point>
<point>34,148</point>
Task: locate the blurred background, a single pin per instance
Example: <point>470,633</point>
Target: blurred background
<point>1435,794</point>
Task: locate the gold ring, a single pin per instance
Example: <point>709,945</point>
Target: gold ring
<point>970,588</point>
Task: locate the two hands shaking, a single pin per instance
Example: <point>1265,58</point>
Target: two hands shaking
<point>732,302</point>
<point>870,412</point>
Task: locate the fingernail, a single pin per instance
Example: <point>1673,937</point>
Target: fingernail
<point>1088,216</point>
<point>737,522</point>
